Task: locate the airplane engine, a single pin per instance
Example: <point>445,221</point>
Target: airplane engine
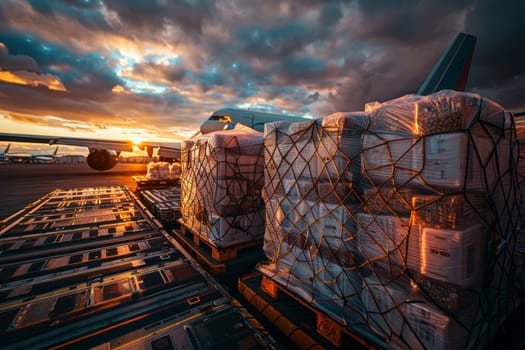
<point>101,159</point>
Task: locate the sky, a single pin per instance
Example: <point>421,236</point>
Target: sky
<point>155,69</point>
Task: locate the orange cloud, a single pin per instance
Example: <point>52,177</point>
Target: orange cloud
<point>118,89</point>
<point>33,79</point>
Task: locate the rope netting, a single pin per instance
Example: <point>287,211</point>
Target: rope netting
<point>221,182</point>
<point>402,220</point>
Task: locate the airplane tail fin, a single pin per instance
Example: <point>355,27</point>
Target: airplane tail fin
<point>452,69</point>
<point>56,151</point>
<point>6,151</point>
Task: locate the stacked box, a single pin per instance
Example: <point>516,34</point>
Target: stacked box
<point>408,320</point>
<point>310,174</point>
<point>412,219</point>
<point>382,241</point>
<point>189,193</point>
<point>221,182</point>
<point>175,170</point>
<point>158,171</point>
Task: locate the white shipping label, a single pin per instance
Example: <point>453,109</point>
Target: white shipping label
<point>444,161</point>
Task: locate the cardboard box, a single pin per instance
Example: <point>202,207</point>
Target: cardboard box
<point>224,231</point>
<point>335,192</point>
<point>383,305</point>
<point>295,261</point>
<point>450,211</point>
<point>453,256</point>
<point>337,288</point>
<point>334,225</point>
<point>389,200</point>
<point>382,239</point>
<point>388,157</point>
<point>291,214</point>
<point>340,144</point>
<point>444,161</point>
<point>407,320</point>
<point>290,150</point>
<point>231,197</point>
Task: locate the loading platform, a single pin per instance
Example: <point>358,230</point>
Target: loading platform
<point>92,268</point>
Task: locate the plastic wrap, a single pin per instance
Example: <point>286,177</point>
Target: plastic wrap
<point>450,211</point>
<point>175,170</point>
<point>289,151</point>
<point>221,182</point>
<point>418,198</point>
<point>388,199</point>
<point>339,143</point>
<point>382,241</point>
<point>409,321</point>
<point>158,171</point>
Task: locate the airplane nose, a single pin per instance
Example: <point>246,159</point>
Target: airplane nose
<point>213,125</point>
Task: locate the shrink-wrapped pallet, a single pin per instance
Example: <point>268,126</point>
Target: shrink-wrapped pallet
<point>158,171</point>
<point>221,181</point>
<point>417,196</point>
<point>446,141</point>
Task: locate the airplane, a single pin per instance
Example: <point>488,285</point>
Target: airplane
<point>450,72</point>
<point>3,155</point>
<point>30,158</point>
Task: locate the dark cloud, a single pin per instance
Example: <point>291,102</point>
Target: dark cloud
<point>409,21</point>
<point>154,16</point>
<point>498,68</point>
<point>86,12</point>
<point>282,41</point>
<point>148,61</point>
<point>16,62</point>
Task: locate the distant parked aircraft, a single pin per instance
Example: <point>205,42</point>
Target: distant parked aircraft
<point>450,72</point>
<point>30,157</point>
<point>3,155</point>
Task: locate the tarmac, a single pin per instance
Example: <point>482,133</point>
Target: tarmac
<point>22,184</point>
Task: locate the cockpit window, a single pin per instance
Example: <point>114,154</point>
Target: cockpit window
<point>221,118</point>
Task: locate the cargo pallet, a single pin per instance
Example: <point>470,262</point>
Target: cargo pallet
<point>109,282</point>
<point>143,183</point>
<point>306,326</point>
<point>219,260</point>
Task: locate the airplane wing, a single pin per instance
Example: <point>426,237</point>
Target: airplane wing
<point>99,150</point>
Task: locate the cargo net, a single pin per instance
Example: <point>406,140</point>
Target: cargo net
<point>401,221</point>
<point>221,181</point>
<point>520,245</point>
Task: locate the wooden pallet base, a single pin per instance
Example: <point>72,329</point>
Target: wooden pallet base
<point>144,183</point>
<point>242,263</point>
<point>224,253</point>
<point>274,301</point>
